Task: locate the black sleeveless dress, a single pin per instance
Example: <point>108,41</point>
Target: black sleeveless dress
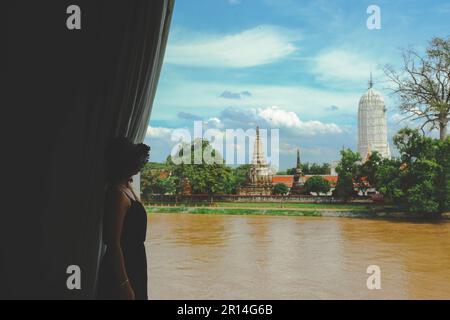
<point>132,241</point>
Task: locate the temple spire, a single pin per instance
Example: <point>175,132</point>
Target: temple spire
<point>299,179</point>
<point>258,152</point>
<point>259,175</point>
<point>299,165</point>
<point>371,81</point>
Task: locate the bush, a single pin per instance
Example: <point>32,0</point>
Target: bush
<point>317,184</point>
<point>280,189</point>
<point>344,187</point>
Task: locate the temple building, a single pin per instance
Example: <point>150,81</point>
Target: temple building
<point>298,186</point>
<point>288,180</point>
<point>296,182</point>
<point>372,124</point>
<point>259,176</point>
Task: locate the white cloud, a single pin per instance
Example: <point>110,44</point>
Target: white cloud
<point>279,118</point>
<point>340,65</point>
<point>253,47</point>
<point>319,141</point>
<point>271,118</point>
<point>158,132</point>
<point>214,122</point>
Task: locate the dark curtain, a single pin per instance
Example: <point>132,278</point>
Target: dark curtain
<point>68,93</point>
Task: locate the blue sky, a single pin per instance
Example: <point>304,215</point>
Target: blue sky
<point>297,66</point>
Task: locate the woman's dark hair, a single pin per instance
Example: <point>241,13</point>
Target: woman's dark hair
<point>124,159</point>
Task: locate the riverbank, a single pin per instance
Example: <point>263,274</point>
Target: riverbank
<point>295,210</point>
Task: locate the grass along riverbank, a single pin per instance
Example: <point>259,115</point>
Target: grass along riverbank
<point>277,205</point>
<point>273,209</point>
<point>233,211</point>
<point>357,210</point>
<point>271,205</point>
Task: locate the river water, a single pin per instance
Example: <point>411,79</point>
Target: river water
<point>262,257</point>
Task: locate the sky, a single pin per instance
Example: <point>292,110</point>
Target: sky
<point>299,66</point>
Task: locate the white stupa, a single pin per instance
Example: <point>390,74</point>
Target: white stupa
<point>261,171</point>
<point>372,124</point>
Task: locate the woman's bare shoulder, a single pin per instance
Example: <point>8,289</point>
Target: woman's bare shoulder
<point>116,196</point>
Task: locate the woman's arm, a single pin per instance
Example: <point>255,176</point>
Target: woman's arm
<point>117,210</point>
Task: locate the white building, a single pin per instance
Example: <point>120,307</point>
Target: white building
<point>372,124</point>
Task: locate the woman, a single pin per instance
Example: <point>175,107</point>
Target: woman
<point>123,272</point>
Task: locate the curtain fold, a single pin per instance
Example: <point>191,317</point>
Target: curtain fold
<point>140,93</point>
<point>74,91</point>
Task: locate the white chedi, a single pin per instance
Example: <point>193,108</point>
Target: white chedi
<point>372,124</point>
<point>260,172</point>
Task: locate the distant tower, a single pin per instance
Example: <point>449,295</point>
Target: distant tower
<point>258,151</point>
<point>372,124</point>
<point>299,179</point>
<point>259,176</point>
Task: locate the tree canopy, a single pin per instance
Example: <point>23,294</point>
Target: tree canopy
<point>423,85</point>
<point>204,177</point>
<point>312,169</point>
<point>280,189</point>
<point>318,185</point>
<point>420,180</point>
<point>347,170</point>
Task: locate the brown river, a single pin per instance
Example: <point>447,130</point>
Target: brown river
<point>262,257</point>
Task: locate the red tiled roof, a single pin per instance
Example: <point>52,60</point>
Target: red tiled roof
<point>164,174</point>
<point>289,180</point>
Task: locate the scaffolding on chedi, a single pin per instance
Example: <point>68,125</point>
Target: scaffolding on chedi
<point>372,124</point>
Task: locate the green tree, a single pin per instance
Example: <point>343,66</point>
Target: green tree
<point>344,187</point>
<point>312,169</point>
<point>164,186</point>
<point>347,170</point>
<point>204,177</point>
<point>317,184</point>
<point>365,173</point>
<point>291,171</point>
<point>368,169</point>
<point>421,197</point>
<point>153,180</point>
<point>419,180</point>
<point>148,178</point>
<point>412,145</point>
<point>239,177</point>
<point>280,189</point>
<point>443,176</point>
<point>388,180</point>
<point>319,169</point>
